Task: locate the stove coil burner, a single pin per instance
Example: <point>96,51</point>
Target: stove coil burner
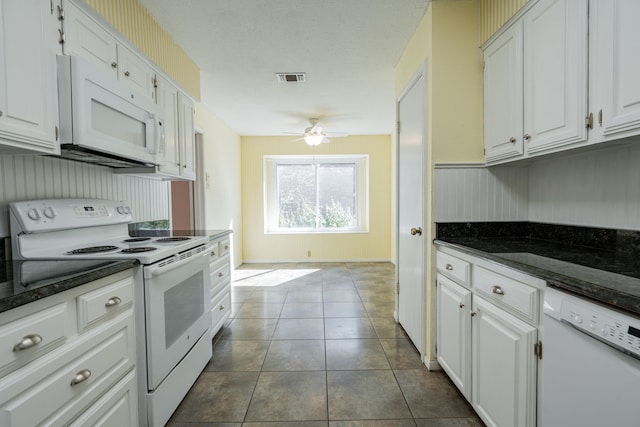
<point>92,250</point>
<point>173,239</point>
<point>137,250</point>
<point>137,240</point>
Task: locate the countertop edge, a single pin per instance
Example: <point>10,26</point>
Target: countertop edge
<point>14,301</point>
<point>576,286</point>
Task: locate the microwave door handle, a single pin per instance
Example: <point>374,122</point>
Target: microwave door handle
<point>155,134</point>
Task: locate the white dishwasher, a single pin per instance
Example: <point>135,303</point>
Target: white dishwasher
<point>590,364</point>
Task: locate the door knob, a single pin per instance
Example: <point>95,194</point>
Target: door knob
<point>416,230</point>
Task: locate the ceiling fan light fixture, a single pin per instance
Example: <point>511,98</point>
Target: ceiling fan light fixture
<point>313,140</point>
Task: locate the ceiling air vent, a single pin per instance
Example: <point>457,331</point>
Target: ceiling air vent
<point>291,77</point>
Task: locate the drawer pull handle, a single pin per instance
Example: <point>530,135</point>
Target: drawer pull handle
<point>221,307</point>
<point>112,302</point>
<point>220,274</point>
<point>449,267</point>
<point>81,377</point>
<point>28,341</point>
<point>497,290</point>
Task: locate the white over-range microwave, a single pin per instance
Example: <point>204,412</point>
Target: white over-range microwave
<point>102,121</point>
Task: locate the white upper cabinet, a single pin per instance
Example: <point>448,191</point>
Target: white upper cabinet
<point>87,38</point>
<point>167,95</point>
<point>28,86</point>
<point>615,68</point>
<point>536,81</point>
<point>187,141</point>
<point>555,74</point>
<point>503,95</point>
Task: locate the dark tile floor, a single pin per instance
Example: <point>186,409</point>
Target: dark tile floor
<point>316,345</point>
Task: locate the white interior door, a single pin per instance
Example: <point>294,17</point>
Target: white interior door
<point>411,117</point>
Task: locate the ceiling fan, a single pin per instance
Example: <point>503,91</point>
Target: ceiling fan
<point>315,135</point>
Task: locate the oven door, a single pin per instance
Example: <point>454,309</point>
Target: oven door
<point>177,311</point>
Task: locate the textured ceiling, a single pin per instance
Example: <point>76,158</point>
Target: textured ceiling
<point>347,48</point>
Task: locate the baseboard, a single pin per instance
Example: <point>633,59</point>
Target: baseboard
<point>431,365</point>
<point>314,260</point>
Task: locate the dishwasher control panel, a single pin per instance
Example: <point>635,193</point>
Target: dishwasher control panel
<point>610,326</point>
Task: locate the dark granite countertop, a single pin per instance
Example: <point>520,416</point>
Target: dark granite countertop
<point>22,282</point>
<point>608,276</point>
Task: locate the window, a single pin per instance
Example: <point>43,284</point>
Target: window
<point>326,194</point>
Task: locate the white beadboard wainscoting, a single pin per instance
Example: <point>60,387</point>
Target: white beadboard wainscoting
<point>24,177</point>
<point>596,188</point>
<point>599,188</point>
<point>473,192</point>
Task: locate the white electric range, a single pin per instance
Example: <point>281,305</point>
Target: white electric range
<point>172,299</point>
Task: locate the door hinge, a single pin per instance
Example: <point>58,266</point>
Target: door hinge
<point>588,121</point>
<point>537,349</point>
<point>57,132</point>
<point>61,36</point>
<point>154,80</point>
<point>60,13</point>
<point>51,5</point>
<point>398,127</point>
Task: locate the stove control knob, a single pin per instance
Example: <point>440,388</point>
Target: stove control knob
<point>127,210</point>
<point>33,214</point>
<point>121,210</point>
<point>49,212</point>
<point>578,319</point>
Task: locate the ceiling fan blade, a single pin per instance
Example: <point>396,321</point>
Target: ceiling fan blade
<point>325,140</point>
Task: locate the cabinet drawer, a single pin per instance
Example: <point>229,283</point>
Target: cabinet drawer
<point>96,305</point>
<point>30,337</point>
<point>219,277</point>
<point>517,297</point>
<point>454,268</point>
<point>220,309</point>
<point>116,408</point>
<point>214,251</point>
<point>224,247</point>
<point>57,391</point>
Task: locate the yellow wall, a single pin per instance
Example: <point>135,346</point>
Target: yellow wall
<point>221,147</point>
<point>374,245</point>
<point>131,19</point>
<point>494,13</point>
<point>446,45</point>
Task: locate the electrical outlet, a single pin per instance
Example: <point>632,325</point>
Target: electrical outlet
<point>308,253</point>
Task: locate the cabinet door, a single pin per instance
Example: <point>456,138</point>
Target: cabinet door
<point>615,51</point>
<point>167,97</point>
<point>139,75</point>
<point>503,367</point>
<point>28,86</point>
<point>453,330</point>
<point>503,95</point>
<point>85,38</point>
<point>187,138</point>
<point>555,74</point>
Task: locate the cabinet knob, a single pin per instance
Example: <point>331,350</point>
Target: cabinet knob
<point>226,247</point>
<point>220,274</point>
<point>184,166</point>
<point>512,140</point>
<point>113,301</point>
<point>449,267</point>
<point>461,305</point>
<point>473,313</point>
<point>81,377</point>
<point>213,253</point>
<point>496,290</point>
<point>114,65</point>
<point>527,137</point>
<point>127,74</point>
<point>27,341</point>
<point>416,230</point>
<point>221,307</point>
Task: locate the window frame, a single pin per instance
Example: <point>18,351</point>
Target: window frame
<point>271,191</point>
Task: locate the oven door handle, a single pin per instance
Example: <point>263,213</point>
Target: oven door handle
<point>166,265</point>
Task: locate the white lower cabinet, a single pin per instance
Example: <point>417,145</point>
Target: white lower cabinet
<point>503,366</point>
<point>220,267</point>
<point>87,379</point>
<point>487,335</point>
